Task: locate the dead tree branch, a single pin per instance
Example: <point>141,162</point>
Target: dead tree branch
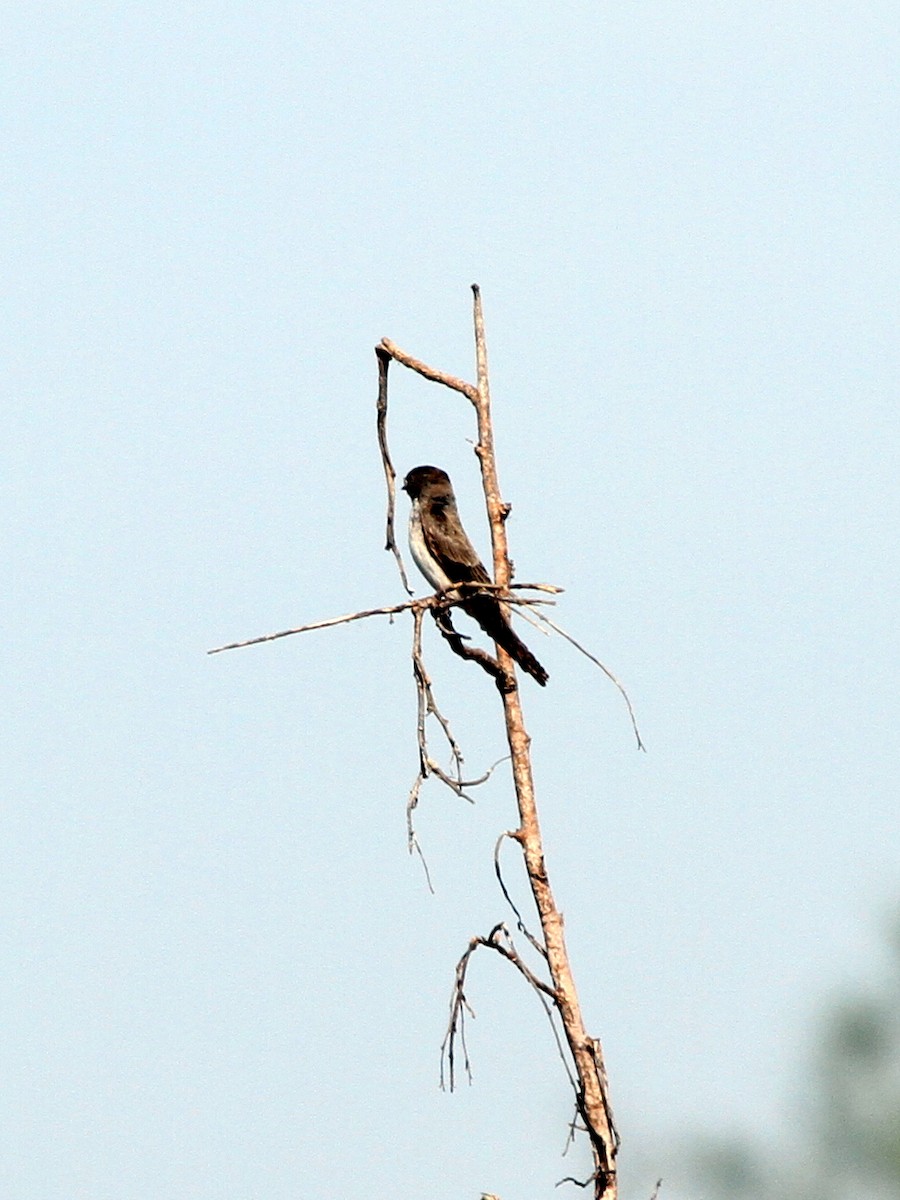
<point>591,1088</point>
<point>438,600</point>
<point>581,1054</point>
<point>500,941</point>
<point>432,373</point>
<point>592,1099</point>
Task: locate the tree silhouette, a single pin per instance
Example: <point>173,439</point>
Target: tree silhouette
<point>853,1122</point>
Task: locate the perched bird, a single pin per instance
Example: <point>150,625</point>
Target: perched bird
<point>445,556</point>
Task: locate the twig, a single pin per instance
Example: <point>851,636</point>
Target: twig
<point>530,587</point>
<point>500,941</point>
<point>604,668</point>
<point>427,706</point>
<point>384,361</point>
<point>456,1027</point>
<point>509,952</point>
<point>422,775</point>
<point>387,610</point>
<point>437,600</point>
<point>520,924</point>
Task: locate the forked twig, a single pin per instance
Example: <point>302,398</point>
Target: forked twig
<point>427,706</point>
<point>500,941</point>
<point>456,1028</point>
<point>437,600</point>
<point>427,766</point>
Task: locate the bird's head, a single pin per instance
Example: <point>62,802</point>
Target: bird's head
<point>421,479</point>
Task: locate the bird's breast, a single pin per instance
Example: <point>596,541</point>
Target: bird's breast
<point>422,556</point>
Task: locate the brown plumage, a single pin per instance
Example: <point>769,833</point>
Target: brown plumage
<point>446,557</point>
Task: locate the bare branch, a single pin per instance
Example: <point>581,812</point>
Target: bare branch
<point>508,951</point>
<point>387,610</point>
<point>427,706</point>
<point>500,941</point>
<point>384,361</point>
<point>414,846</point>
<point>456,1026</point>
<point>530,587</point>
<point>432,373</point>
<point>591,1092</point>
<point>436,601</point>
<point>421,700</point>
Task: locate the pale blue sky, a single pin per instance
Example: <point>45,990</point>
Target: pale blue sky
<point>223,978</point>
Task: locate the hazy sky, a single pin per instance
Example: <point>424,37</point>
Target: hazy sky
<point>223,977</point>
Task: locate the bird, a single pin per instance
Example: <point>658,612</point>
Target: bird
<point>445,556</point>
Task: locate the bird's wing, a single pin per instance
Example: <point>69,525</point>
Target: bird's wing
<point>447,541</point>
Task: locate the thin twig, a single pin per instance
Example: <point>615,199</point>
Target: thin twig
<point>387,610</point>
<point>604,668</point>
<point>530,587</point>
<point>456,1026</point>
<point>415,847</point>
<point>520,924</point>
<point>390,475</point>
<point>509,952</point>
<point>422,774</point>
<point>500,941</point>
<point>427,706</point>
<point>436,600</point>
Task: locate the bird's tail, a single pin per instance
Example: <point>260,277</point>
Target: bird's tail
<point>489,615</point>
